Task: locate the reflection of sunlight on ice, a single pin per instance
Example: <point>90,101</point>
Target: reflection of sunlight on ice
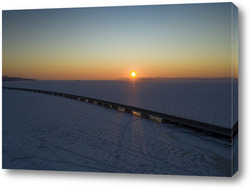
<point>132,97</point>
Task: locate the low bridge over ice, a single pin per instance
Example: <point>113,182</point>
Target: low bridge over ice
<point>209,129</point>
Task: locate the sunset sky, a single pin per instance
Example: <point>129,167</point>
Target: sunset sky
<point>193,40</point>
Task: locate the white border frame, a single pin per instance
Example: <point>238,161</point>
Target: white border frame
<point>53,179</point>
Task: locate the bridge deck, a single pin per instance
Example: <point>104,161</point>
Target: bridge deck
<point>213,130</point>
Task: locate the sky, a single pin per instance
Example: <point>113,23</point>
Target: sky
<point>103,43</point>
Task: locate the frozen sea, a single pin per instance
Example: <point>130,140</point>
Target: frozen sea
<point>210,101</point>
<point>52,133</point>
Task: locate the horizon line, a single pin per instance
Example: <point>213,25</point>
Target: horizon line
<point>134,79</point>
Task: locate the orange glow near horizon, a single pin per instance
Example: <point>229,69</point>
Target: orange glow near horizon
<point>57,71</point>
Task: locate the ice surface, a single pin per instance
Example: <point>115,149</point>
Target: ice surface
<point>209,101</point>
<point>55,133</point>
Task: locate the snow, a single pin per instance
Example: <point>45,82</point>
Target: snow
<point>54,133</point>
<point>208,101</point>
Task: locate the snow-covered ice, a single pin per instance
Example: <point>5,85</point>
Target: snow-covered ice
<point>208,101</point>
<point>53,133</point>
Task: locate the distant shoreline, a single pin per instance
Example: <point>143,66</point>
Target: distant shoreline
<point>6,78</point>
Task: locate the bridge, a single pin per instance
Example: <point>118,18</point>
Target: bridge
<point>205,128</point>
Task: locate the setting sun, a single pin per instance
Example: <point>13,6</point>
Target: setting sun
<point>133,74</point>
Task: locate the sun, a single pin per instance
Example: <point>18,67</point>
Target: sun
<point>133,74</point>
